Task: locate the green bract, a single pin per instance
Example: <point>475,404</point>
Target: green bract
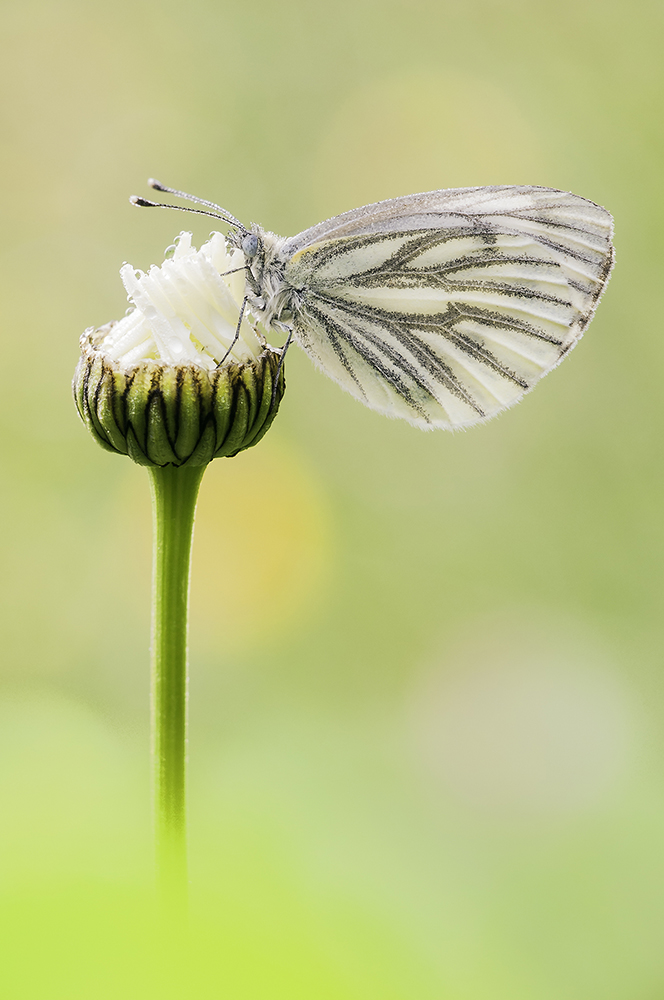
<point>172,414</point>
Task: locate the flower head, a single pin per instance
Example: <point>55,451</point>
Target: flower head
<point>184,376</point>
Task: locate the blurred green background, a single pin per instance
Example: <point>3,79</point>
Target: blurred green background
<point>427,704</point>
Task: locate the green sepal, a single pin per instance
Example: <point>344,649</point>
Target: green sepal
<point>111,386</point>
<point>189,413</point>
<point>137,398</point>
<point>222,406</point>
<point>264,417</point>
<point>93,381</point>
<point>204,450</point>
<point>158,447</point>
<point>135,451</point>
<point>234,440</point>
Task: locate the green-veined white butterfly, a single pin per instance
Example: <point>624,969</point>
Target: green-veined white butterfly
<point>442,308</point>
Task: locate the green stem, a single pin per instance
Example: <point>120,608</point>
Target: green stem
<point>174,493</point>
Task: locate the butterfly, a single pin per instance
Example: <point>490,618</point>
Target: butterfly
<point>442,308</point>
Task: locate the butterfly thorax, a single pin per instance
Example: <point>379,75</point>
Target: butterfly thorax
<point>269,296</point>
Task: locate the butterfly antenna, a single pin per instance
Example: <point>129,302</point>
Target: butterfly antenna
<point>144,203</point>
<point>158,186</point>
<point>281,365</point>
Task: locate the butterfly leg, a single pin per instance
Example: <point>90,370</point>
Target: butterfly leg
<point>281,365</point>
<point>237,332</point>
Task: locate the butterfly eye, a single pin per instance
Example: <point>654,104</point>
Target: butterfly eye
<point>250,245</point>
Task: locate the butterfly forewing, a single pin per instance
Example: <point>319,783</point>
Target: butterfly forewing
<point>445,308</point>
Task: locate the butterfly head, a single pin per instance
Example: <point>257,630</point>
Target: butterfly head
<point>249,245</point>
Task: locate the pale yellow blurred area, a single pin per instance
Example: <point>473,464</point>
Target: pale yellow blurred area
<point>525,720</point>
<point>263,557</point>
<point>64,770</point>
<point>422,131</point>
<point>264,551</point>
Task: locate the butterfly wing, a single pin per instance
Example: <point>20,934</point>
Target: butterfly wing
<point>444,308</point>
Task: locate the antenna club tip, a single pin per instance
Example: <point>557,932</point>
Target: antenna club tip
<point>157,185</point>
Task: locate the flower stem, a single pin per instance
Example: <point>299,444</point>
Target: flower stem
<point>174,493</point>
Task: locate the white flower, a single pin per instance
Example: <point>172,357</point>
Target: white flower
<point>186,311</point>
<point>175,381</point>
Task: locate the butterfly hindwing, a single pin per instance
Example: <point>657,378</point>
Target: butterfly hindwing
<point>446,308</point>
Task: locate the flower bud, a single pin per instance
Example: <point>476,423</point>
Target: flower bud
<point>173,382</point>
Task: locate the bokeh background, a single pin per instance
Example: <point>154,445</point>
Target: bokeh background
<point>427,699</point>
